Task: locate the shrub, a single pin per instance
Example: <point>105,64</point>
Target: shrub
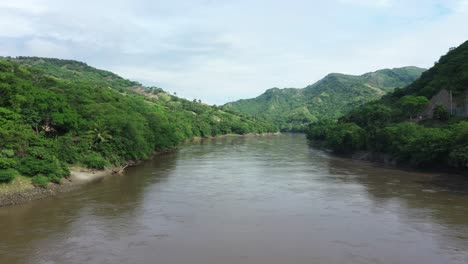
<point>441,113</point>
<point>9,153</point>
<point>6,163</point>
<point>51,167</point>
<point>7,175</point>
<point>67,150</point>
<point>40,181</point>
<point>459,157</point>
<point>95,161</point>
<point>7,159</point>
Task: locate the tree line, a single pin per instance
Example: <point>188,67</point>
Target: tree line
<point>55,114</point>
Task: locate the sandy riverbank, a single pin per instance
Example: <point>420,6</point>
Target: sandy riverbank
<point>21,190</point>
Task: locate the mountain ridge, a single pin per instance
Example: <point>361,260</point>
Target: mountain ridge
<point>329,97</point>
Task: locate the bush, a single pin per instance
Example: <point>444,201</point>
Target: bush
<point>7,175</point>
<point>95,161</point>
<point>40,181</point>
<point>68,151</point>
<point>441,113</point>
<point>6,163</point>
<point>51,167</point>
<point>459,157</point>
<point>7,159</point>
<point>9,153</point>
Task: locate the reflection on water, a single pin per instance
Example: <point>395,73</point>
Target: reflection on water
<point>247,200</point>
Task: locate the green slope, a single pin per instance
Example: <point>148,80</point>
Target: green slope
<point>388,125</point>
<point>57,113</point>
<point>331,97</point>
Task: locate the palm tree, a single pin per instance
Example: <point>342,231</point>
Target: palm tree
<point>98,135</point>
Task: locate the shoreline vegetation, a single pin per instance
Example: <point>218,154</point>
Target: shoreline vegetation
<point>386,160</point>
<point>58,117</point>
<point>414,126</point>
<point>21,190</point>
<point>57,114</point>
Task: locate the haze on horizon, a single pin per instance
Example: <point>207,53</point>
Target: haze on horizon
<point>220,51</point>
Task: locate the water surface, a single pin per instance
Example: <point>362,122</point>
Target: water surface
<point>260,200</point>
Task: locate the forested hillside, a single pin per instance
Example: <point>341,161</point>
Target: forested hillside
<point>57,113</point>
<point>393,125</point>
<point>329,98</point>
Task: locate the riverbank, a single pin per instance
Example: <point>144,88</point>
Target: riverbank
<point>388,160</point>
<point>392,161</point>
<point>21,190</point>
<point>195,139</point>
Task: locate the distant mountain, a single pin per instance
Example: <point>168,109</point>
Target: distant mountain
<point>331,97</point>
<point>76,72</point>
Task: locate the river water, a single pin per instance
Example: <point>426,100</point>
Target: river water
<point>258,200</point>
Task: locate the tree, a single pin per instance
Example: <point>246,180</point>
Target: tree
<point>441,113</point>
<point>56,113</point>
<point>98,135</point>
<point>345,138</point>
<point>412,105</point>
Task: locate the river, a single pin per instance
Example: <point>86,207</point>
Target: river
<point>258,200</point>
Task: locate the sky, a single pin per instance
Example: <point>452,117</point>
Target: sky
<point>225,50</point>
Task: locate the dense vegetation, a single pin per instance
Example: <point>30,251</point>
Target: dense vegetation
<point>329,98</point>
<point>389,125</point>
<point>57,113</point>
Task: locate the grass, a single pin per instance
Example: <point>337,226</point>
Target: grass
<point>19,184</point>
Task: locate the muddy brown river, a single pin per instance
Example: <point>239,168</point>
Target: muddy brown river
<point>258,200</point>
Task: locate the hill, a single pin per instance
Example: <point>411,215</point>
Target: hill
<point>398,124</point>
<point>59,113</point>
<point>329,98</point>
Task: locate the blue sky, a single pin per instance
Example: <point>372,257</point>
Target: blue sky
<point>224,50</point>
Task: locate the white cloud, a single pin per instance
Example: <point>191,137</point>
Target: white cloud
<point>462,6</point>
<point>14,26</point>
<point>225,50</point>
<point>27,6</point>
<point>44,48</point>
<point>372,3</point>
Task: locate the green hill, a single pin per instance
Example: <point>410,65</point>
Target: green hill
<point>331,97</point>
<point>395,125</point>
<point>58,113</point>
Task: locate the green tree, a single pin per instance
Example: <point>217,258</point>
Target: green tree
<point>98,136</point>
<point>412,105</point>
<point>441,113</point>
<point>345,138</point>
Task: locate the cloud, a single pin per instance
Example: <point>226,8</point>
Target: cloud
<point>372,3</point>
<point>31,6</point>
<point>45,48</point>
<point>225,50</point>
